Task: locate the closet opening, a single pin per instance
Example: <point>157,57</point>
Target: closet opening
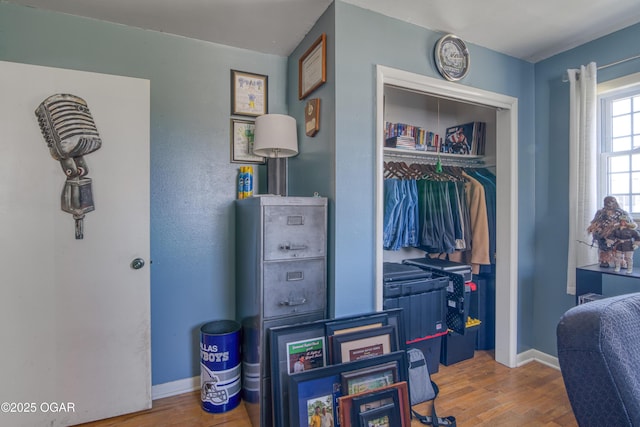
<point>430,103</point>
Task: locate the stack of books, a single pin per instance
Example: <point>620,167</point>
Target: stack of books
<point>402,141</point>
<point>401,135</point>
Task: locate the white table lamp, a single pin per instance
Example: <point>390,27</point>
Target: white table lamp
<point>275,137</point>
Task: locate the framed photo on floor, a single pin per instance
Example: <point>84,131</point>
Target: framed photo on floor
<point>368,379</point>
<point>387,415</point>
<point>363,344</point>
<point>351,406</point>
<point>287,345</point>
<point>316,386</point>
<point>369,401</point>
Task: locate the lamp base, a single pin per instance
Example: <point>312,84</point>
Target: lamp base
<point>277,174</point>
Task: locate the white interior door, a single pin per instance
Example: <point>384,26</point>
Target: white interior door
<point>75,315</point>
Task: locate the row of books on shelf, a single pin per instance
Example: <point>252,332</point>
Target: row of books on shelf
<point>466,139</point>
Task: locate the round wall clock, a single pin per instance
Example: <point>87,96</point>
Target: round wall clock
<point>452,57</point>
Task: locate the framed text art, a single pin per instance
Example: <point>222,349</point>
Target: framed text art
<point>242,132</point>
<point>312,67</point>
<point>249,94</point>
<point>363,344</point>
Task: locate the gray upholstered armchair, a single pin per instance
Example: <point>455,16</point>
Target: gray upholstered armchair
<point>599,355</point>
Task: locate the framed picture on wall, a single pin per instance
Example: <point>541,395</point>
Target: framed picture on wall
<point>312,67</point>
<point>249,94</point>
<point>242,142</point>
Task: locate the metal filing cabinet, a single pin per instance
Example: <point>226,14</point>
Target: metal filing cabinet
<point>280,280</point>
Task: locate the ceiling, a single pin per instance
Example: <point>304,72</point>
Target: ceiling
<point>531,30</point>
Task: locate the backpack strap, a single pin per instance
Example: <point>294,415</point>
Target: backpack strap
<point>420,379</point>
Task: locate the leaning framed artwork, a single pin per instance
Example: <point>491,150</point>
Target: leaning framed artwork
<point>288,344</point>
<point>351,405</point>
<point>322,387</point>
<point>387,415</point>
<point>312,67</point>
<point>249,94</point>
<point>397,394</point>
<point>369,378</point>
<point>354,324</point>
<point>363,344</point>
<point>242,132</point>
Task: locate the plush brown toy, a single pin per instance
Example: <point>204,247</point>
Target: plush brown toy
<point>602,225</point>
<point>625,240</point>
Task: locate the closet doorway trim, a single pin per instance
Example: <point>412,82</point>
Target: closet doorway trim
<point>507,195</point>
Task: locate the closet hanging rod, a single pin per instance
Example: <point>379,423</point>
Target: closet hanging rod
<point>565,77</point>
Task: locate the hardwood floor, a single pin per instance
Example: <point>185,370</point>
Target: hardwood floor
<point>477,392</point>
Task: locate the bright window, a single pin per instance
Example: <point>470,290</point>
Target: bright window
<point>620,147</point>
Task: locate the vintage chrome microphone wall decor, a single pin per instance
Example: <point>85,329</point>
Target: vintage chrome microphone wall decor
<point>70,133</point>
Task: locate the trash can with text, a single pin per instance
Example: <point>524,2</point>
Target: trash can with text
<point>220,365</point>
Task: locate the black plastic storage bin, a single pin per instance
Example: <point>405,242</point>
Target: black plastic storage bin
<point>486,311</point>
<point>422,296</point>
<point>456,347</point>
<point>457,298</point>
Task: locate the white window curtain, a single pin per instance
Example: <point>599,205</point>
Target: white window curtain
<point>582,168</point>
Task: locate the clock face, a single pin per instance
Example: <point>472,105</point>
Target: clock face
<point>452,57</point>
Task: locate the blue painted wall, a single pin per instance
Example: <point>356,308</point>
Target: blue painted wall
<point>313,170</point>
<point>550,299</point>
<point>192,180</point>
<point>364,39</point>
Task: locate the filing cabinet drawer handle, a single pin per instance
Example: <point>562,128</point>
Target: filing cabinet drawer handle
<point>295,220</point>
<point>292,247</point>
<point>295,276</point>
<point>291,302</point>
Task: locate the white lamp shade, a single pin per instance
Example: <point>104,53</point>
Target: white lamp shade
<point>275,136</point>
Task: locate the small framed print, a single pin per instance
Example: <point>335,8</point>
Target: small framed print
<point>363,344</point>
<point>350,406</point>
<point>312,388</point>
<point>242,132</point>
<point>379,398</point>
<point>386,415</point>
<point>312,67</point>
<point>312,117</point>
<point>287,344</point>
<point>306,354</point>
<point>249,94</point>
<point>369,378</point>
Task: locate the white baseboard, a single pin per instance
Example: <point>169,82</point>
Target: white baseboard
<point>174,388</point>
<point>544,358</point>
